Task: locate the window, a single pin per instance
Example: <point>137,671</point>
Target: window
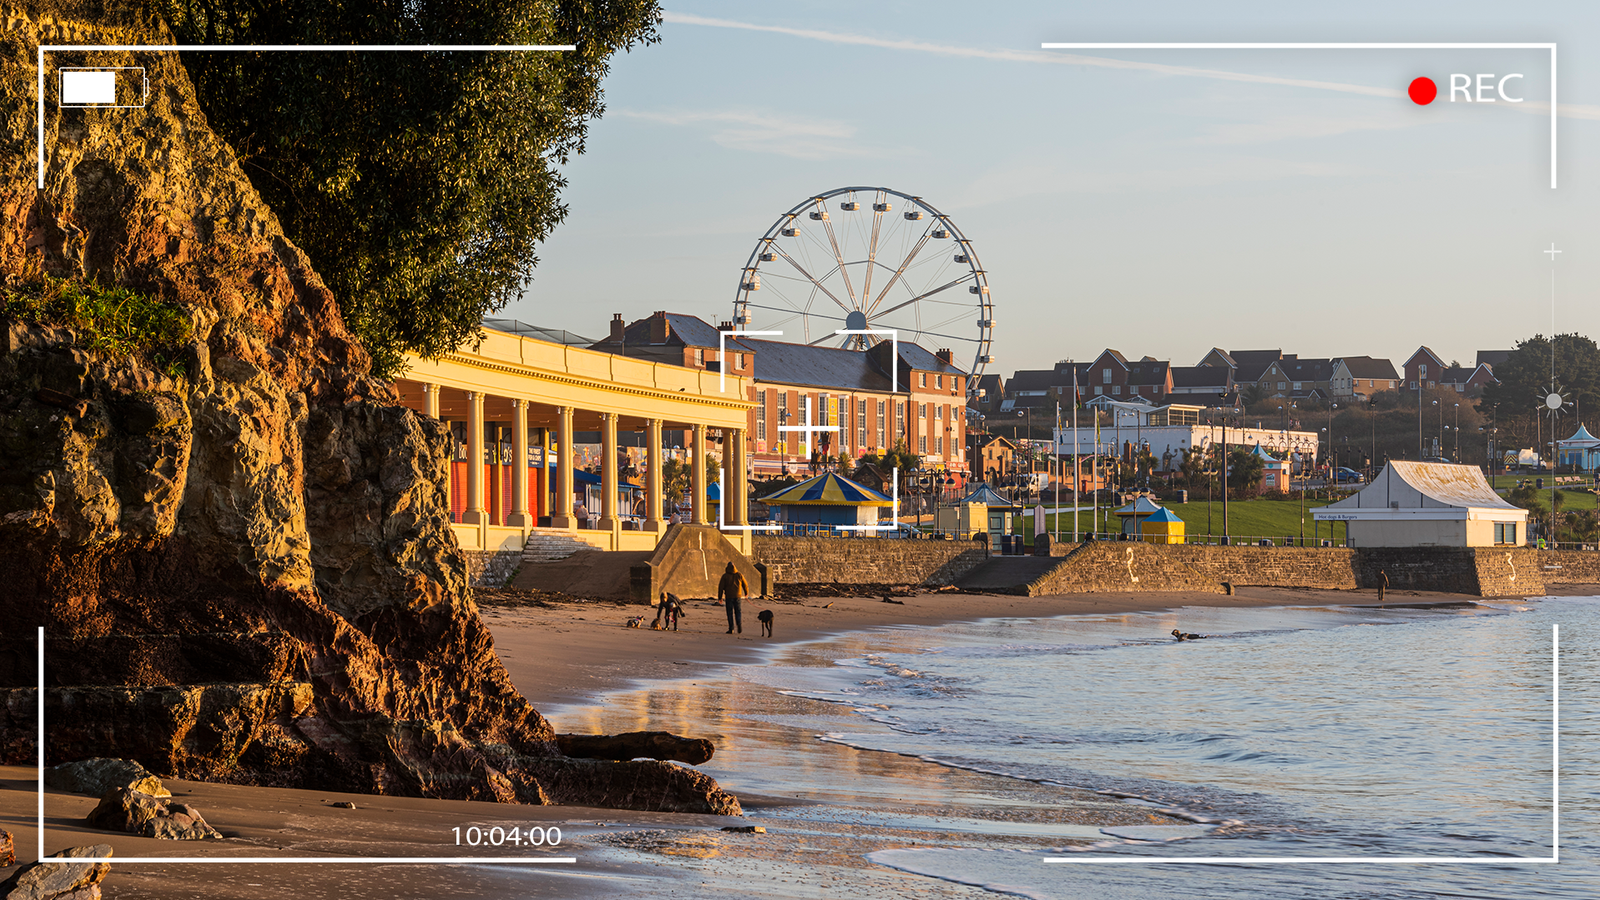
<point>922,410</point>
<point>1505,532</point>
<point>1097,390</point>
<point>880,443</point>
<point>1297,385</point>
<point>1116,389</point>
<point>1106,375</point>
<point>699,357</point>
<point>761,416</point>
<point>938,445</point>
<point>739,361</point>
<point>938,381</point>
<point>1422,370</point>
<point>1281,385</point>
<point>922,444</point>
<point>861,423</point>
<point>922,379</point>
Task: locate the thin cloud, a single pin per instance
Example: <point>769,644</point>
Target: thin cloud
<point>1028,56</point>
<point>1293,128</point>
<point>1567,110</point>
<point>759,132</point>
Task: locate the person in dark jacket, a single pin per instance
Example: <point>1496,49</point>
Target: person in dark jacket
<point>730,590</point>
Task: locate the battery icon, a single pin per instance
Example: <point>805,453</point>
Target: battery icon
<point>104,87</point>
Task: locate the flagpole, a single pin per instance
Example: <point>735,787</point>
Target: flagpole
<point>1077,482</point>
<point>1055,454</point>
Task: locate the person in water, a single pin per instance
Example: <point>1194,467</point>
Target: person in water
<point>1184,636</point>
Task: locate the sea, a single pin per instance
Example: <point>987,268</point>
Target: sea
<point>1429,751</point>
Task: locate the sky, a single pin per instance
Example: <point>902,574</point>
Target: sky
<point>1159,202</point>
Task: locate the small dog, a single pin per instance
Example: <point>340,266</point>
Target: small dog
<point>765,618</point>
<point>635,621</point>
<point>1185,636</point>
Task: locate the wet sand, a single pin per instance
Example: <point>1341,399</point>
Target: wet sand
<point>566,657</point>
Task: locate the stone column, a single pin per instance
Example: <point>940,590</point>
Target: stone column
<point>652,488</point>
<point>475,513</point>
<point>697,477</point>
<point>562,517</point>
<point>608,474</point>
<point>736,507</point>
<point>519,517</point>
<point>430,400</point>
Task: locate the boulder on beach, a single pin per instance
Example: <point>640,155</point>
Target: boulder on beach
<point>129,811</point>
<point>662,745</point>
<point>98,776</point>
<point>47,880</point>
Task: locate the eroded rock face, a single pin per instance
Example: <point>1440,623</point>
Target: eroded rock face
<point>244,565</point>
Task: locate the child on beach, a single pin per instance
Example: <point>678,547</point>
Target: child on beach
<point>668,612</point>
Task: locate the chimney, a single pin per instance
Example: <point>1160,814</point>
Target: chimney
<point>724,326</point>
<point>944,356</point>
<point>660,328</point>
<point>617,328</point>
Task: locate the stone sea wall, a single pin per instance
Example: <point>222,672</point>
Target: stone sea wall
<point>835,560</point>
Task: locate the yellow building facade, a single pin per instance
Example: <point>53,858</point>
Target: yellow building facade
<point>518,400</point>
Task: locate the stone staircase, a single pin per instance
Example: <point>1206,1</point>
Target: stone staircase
<point>551,544</point>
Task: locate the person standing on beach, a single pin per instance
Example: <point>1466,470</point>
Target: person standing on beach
<point>1383,583</point>
<point>731,589</point>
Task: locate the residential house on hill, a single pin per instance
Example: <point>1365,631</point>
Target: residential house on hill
<point>1467,379</point>
<point>1362,376</point>
<point>1291,378</point>
<point>1423,369</point>
<point>1202,384</point>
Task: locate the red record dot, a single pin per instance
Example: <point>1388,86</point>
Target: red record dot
<point>1422,91</point>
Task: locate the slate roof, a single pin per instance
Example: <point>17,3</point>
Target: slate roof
<point>1148,371</point>
<point>828,367</point>
<point>1306,369</point>
<point>1201,376</point>
<point>915,356</point>
<point>1368,367</point>
<point>1036,380</point>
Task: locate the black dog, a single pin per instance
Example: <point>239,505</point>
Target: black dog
<point>765,618</point>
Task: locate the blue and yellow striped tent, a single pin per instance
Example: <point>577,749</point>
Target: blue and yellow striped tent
<point>828,489</point>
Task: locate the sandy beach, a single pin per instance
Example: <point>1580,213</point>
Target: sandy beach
<point>570,658</point>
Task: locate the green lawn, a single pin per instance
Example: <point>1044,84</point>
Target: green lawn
<point>1248,518</point>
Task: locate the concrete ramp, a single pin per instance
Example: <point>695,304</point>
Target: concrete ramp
<point>689,562</point>
<point>587,573</point>
<point>1008,574</point>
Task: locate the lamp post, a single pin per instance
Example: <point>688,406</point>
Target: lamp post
<point>1455,456</point>
<point>1441,428</point>
<point>1224,472</point>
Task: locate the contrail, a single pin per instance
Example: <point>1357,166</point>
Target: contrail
<point>1567,110</point>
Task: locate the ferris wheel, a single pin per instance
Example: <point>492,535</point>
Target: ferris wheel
<point>875,260</point>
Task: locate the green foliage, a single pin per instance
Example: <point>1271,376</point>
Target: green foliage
<point>1244,471</point>
<point>113,321</point>
<point>1524,377</point>
<point>419,183</point>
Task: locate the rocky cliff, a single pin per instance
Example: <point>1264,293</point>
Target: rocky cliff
<point>239,549</point>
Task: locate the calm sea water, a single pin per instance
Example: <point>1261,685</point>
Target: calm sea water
<point>1286,733</point>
